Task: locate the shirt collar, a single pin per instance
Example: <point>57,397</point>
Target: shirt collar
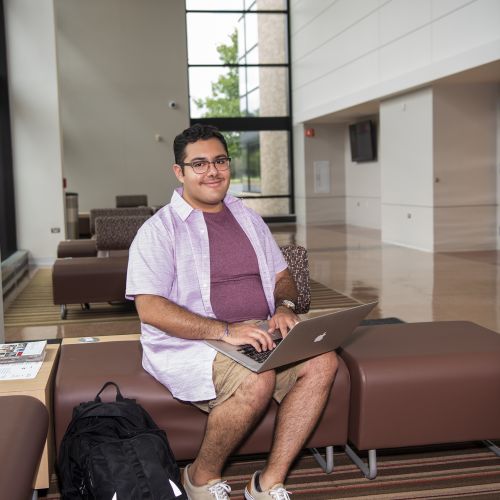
<point>184,209</point>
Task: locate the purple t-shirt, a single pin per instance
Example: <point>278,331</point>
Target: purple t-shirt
<point>236,291</point>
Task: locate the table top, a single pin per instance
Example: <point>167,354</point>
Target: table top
<point>104,338</point>
<point>40,382</point>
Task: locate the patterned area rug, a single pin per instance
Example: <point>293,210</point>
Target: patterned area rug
<point>34,305</point>
<point>465,472</point>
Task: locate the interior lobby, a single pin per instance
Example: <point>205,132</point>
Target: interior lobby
<point>416,228</point>
<point>92,94</point>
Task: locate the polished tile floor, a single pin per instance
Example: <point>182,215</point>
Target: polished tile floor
<point>409,284</point>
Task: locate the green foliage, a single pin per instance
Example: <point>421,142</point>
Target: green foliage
<point>225,98</point>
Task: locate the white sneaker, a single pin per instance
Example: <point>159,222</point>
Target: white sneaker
<point>276,492</point>
<point>216,489</point>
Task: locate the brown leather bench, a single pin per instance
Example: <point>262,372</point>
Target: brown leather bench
<point>398,385</point>
<point>24,423</point>
<point>88,247</point>
<point>82,280</point>
<point>421,384</point>
<point>85,367</point>
<point>76,248</point>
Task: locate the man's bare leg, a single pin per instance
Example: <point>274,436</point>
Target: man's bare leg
<point>228,423</point>
<point>297,416</point>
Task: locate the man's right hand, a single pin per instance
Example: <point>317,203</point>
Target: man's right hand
<point>249,333</point>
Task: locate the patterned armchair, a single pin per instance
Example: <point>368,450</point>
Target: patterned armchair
<point>118,212</point>
<point>298,264</point>
<point>117,232</point>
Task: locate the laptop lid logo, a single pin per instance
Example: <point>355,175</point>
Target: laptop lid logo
<point>320,337</point>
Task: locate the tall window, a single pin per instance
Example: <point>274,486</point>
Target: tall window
<point>239,82</point>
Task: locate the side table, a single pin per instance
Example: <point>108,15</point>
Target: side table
<point>40,388</point>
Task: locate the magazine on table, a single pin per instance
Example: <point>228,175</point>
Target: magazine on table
<point>22,351</point>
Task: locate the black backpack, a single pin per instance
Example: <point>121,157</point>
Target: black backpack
<point>115,451</point>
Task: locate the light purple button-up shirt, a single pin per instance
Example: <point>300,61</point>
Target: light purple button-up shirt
<point>170,257</point>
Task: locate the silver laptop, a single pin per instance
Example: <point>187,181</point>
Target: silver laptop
<point>306,339</point>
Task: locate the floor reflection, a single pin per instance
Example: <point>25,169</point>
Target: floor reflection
<point>409,284</point>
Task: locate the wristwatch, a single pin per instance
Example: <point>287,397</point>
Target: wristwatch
<point>286,303</point>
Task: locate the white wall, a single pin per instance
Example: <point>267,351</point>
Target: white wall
<point>120,63</point>
<point>362,187</point>
<point>438,168</point>
<point>348,52</point>
<point>406,159</point>
<point>299,175</point>
<point>465,194</point>
<point>36,150</point>
<point>324,200</point>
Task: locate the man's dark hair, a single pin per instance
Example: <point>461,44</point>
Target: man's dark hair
<point>197,132</point>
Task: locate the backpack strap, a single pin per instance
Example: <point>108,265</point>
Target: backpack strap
<point>119,396</point>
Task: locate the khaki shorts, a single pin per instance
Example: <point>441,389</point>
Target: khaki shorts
<point>228,375</point>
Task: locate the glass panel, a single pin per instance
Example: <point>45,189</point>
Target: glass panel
<point>215,5</point>
<point>253,100</point>
<point>252,78</point>
<point>216,91</point>
<point>266,4</point>
<point>208,34</point>
<point>252,56</point>
<point>251,31</point>
<point>272,38</point>
<point>235,4</point>
<point>243,105</point>
<point>243,85</point>
<point>272,84</point>
<point>219,38</point>
<point>241,46</point>
<point>260,167</point>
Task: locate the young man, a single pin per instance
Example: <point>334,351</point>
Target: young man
<point>206,267</point>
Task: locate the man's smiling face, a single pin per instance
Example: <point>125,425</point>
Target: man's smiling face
<point>204,191</point>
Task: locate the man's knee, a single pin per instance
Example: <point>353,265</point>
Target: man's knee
<point>322,368</point>
<point>258,387</point>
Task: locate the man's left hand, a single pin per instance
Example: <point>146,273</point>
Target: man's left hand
<point>283,319</point>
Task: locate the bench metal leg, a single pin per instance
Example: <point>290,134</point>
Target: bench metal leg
<point>493,447</point>
<point>370,470</point>
<point>64,311</point>
<point>326,465</point>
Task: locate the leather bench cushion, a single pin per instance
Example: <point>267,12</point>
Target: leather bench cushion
<point>89,279</point>
<point>423,383</point>
<point>84,368</point>
<point>77,248</point>
<point>24,422</point>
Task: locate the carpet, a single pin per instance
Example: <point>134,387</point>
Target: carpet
<point>462,471</point>
<point>34,307</point>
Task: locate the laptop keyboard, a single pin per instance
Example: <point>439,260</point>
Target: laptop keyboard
<point>251,352</point>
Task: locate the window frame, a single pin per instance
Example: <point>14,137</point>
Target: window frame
<point>252,123</point>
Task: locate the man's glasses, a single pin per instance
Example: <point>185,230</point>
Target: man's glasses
<point>201,166</point>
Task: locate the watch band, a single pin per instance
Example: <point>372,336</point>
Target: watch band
<point>286,303</point>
